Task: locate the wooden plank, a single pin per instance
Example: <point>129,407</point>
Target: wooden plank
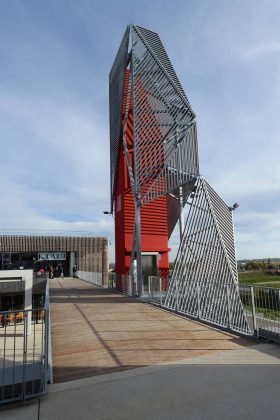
<point>96,331</point>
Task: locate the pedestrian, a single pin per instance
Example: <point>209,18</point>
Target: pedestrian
<point>74,270</point>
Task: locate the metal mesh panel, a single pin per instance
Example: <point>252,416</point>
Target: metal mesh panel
<point>155,45</point>
<point>203,262</point>
<point>164,131</point>
<point>224,220</point>
<point>116,89</point>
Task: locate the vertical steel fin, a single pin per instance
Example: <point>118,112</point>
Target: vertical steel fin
<point>116,93</point>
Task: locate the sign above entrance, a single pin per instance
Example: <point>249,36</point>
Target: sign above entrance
<point>51,256</point>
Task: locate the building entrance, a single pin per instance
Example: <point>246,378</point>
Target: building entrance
<point>59,262</point>
<point>149,266</point>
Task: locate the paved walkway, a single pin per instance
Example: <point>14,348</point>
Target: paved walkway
<point>96,331</point>
<point>196,389</point>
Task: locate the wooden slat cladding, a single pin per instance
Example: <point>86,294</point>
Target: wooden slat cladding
<point>91,253</point>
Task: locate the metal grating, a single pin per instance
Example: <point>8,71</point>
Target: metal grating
<point>116,91</point>
<point>153,42</point>
<point>205,263</point>
<point>204,282</point>
<point>165,138</point>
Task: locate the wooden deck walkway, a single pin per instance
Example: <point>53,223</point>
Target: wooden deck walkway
<point>96,331</point>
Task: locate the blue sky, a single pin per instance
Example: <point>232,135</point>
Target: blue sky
<point>55,58</point>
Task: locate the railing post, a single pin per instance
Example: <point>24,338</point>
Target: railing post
<point>176,293</point>
<point>24,360</point>
<point>253,310</point>
<point>133,284</point>
<point>130,279</point>
<point>198,301</point>
<point>160,291</point>
<point>123,284</point>
<point>149,288</point>
<point>46,348</point>
<point>47,338</point>
<point>228,307</point>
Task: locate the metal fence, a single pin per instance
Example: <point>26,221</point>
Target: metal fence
<point>250,310</point>
<point>24,346</point>
<point>157,289</point>
<point>262,309</point>
<point>261,305</point>
<point>91,277</point>
<point>123,283</point>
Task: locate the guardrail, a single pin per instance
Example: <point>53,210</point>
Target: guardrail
<point>24,353</point>
<point>91,277</point>
<point>262,308</point>
<point>260,305</point>
<point>123,283</point>
<point>249,310</point>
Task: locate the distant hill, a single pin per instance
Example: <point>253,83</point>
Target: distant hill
<point>259,260</point>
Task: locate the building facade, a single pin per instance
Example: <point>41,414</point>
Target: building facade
<point>84,256</point>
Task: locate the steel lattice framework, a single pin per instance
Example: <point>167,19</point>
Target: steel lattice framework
<point>165,132</point>
<point>165,163</point>
<point>165,140</point>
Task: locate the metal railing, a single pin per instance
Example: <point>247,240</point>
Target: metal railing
<point>256,312</point>
<point>24,353</point>
<point>262,309</point>
<point>91,277</point>
<point>123,283</point>
<point>157,289</point>
<point>250,310</point>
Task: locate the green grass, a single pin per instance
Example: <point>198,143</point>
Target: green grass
<point>259,278</point>
<point>266,313</point>
<point>275,284</point>
<point>269,313</point>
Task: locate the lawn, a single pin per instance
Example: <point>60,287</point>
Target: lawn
<point>259,278</point>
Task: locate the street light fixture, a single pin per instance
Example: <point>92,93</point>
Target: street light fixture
<point>235,205</point>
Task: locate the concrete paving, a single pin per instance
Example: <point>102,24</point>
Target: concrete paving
<point>196,391</point>
<point>183,392</point>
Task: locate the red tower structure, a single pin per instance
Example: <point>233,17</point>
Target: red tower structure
<point>154,173</point>
<point>153,154</point>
